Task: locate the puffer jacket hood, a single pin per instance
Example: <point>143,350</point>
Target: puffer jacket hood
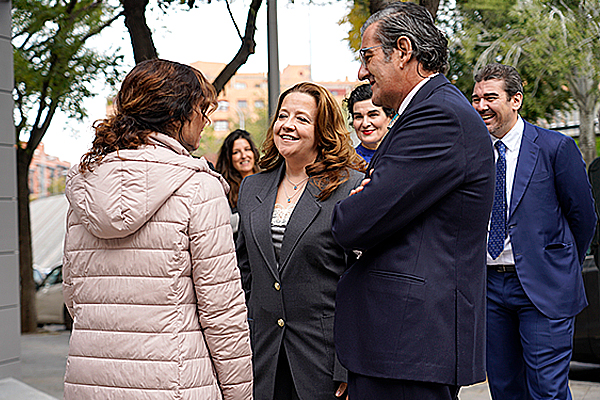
<point>114,200</point>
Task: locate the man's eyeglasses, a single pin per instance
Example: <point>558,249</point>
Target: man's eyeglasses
<point>362,53</point>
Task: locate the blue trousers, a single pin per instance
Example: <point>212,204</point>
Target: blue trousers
<point>528,354</point>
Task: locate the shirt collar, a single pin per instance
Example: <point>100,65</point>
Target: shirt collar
<point>413,92</point>
<point>513,138</point>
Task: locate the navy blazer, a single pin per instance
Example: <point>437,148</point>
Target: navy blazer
<point>291,304</point>
<point>551,221</point>
<point>412,306</point>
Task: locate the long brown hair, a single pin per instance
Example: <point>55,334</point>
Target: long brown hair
<point>156,96</point>
<point>335,154</point>
<point>225,165</point>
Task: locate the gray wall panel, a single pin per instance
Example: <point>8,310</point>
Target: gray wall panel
<point>9,295</point>
<point>10,349</point>
<point>9,231</point>
<point>8,172</point>
<point>7,136</point>
<point>10,314</point>
<point>6,66</point>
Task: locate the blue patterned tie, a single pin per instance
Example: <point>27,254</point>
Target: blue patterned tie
<point>497,233</point>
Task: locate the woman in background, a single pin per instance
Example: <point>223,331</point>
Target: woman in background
<point>150,275</point>
<point>289,260</point>
<point>238,159</point>
<point>370,122</point>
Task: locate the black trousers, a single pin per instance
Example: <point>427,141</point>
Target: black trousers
<point>284,383</point>
<point>361,387</point>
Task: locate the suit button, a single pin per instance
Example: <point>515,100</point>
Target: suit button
<point>280,323</point>
<point>277,286</point>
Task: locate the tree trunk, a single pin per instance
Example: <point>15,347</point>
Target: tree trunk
<point>431,5</point>
<point>141,36</point>
<point>28,309</point>
<point>583,88</point>
<point>587,135</point>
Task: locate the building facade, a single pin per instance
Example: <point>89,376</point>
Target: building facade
<point>46,174</point>
<point>245,96</point>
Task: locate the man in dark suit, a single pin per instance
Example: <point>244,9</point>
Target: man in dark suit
<point>410,311</point>
<point>541,226</point>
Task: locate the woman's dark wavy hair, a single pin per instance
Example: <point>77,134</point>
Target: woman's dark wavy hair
<point>361,93</point>
<point>156,96</point>
<point>335,154</point>
<point>225,165</point>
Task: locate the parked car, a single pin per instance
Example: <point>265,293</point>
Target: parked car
<point>50,305</point>
<point>586,343</point>
<point>38,278</point>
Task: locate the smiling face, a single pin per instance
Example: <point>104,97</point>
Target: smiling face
<point>294,128</point>
<point>387,79</point>
<point>242,157</point>
<point>499,112</point>
<point>370,123</point>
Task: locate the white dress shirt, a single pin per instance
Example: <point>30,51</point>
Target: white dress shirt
<point>413,92</point>
<point>512,141</point>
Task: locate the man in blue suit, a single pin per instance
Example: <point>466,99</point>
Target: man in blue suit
<point>541,225</point>
<point>410,310</point>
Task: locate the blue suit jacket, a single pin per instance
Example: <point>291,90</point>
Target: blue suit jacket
<point>413,305</point>
<point>551,221</point>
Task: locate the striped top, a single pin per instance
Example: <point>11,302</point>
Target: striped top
<point>279,221</point>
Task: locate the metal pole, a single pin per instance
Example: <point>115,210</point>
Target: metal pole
<point>241,117</point>
<point>273,48</point>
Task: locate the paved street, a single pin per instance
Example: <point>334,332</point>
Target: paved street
<point>44,359</point>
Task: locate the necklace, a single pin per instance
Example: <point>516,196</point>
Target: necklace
<point>289,198</point>
<point>393,121</point>
<point>295,185</point>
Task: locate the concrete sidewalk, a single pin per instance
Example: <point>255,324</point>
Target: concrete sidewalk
<point>44,357</point>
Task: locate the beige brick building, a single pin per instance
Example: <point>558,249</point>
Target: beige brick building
<point>246,95</point>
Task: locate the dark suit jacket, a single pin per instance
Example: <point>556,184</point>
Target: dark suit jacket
<point>302,295</point>
<point>551,221</point>
<point>412,307</point>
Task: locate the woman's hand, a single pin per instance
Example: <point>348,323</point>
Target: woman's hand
<point>341,390</point>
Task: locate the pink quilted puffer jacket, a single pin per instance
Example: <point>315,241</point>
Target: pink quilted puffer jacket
<point>151,280</point>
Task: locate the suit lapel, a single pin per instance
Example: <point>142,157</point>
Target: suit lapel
<point>421,94</point>
<point>528,155</point>
<point>302,217</point>
<point>260,221</point>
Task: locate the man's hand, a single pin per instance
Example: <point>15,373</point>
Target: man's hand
<point>362,185</point>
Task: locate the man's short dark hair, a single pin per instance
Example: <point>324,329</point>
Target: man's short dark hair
<point>429,44</point>
<point>509,75</point>
<point>361,93</point>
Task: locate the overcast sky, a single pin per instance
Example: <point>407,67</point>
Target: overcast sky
<point>308,34</point>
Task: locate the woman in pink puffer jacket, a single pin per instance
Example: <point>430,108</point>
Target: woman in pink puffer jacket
<point>150,274</point>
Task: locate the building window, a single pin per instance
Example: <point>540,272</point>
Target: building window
<point>223,105</point>
<point>239,85</point>
<point>259,104</point>
<point>242,104</point>
<point>221,125</point>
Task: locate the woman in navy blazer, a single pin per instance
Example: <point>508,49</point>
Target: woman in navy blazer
<point>289,261</point>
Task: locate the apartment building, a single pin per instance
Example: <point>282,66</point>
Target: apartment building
<point>245,96</point>
<point>46,174</point>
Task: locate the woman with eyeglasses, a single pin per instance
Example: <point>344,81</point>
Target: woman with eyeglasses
<point>150,274</point>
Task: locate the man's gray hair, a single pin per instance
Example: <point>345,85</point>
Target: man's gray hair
<point>429,44</point>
